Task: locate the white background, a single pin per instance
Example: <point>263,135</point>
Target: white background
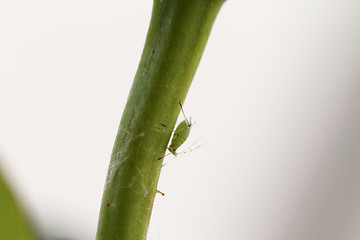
<point>275,100</point>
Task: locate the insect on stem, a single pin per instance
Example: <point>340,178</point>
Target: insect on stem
<point>180,134</point>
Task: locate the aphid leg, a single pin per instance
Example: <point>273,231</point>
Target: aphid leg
<point>161,128</point>
<point>163,156</point>
<point>182,110</point>
<point>166,129</point>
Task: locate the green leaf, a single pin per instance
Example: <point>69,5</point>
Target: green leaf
<point>13,222</point>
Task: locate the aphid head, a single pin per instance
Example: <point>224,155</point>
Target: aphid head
<point>172,150</point>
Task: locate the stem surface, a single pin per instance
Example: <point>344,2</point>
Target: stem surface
<point>176,39</point>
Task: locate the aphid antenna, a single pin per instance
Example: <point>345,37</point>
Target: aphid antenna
<point>183,152</point>
<point>195,145</point>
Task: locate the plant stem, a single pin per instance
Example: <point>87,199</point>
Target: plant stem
<point>176,39</point>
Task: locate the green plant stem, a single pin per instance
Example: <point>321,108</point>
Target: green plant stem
<point>176,39</point>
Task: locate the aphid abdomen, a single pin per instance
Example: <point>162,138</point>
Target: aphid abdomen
<point>180,135</point>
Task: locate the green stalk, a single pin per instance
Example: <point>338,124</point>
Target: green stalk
<point>176,39</point>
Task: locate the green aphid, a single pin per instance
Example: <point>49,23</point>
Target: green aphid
<point>180,135</point>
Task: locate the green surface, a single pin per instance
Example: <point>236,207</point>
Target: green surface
<point>176,39</point>
<point>13,223</point>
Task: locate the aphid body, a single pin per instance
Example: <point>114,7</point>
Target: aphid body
<point>181,133</point>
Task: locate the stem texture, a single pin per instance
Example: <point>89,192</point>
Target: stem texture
<point>176,39</point>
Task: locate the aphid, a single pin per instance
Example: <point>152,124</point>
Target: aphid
<point>180,135</point>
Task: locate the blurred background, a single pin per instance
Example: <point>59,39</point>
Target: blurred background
<point>275,100</point>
